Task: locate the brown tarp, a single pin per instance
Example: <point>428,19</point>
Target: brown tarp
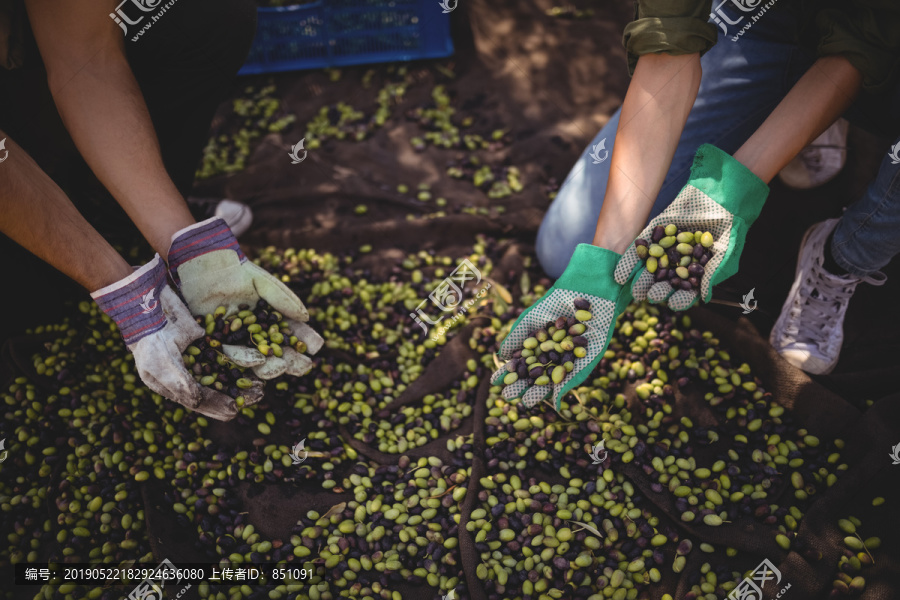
<point>552,82</point>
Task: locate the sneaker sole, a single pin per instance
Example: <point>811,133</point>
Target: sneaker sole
<point>837,140</point>
<point>796,184</point>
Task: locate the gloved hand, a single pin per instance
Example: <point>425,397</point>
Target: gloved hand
<point>722,196</point>
<point>157,328</point>
<point>211,271</point>
<point>588,276</point>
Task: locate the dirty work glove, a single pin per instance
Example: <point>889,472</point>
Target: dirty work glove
<point>723,197</point>
<point>588,276</point>
<point>157,327</point>
<point>211,271</point>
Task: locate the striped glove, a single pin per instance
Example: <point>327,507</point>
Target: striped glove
<point>211,271</point>
<point>157,327</point>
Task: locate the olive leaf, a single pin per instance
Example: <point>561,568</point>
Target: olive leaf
<point>589,527</point>
<point>525,283</point>
<point>336,509</point>
<point>500,290</point>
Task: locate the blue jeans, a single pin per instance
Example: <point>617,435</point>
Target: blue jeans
<point>868,235</point>
<point>742,83</point>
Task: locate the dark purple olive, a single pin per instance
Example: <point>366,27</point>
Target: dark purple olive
<point>696,269</point>
<point>659,232</point>
<point>641,242</point>
<point>686,285</point>
<point>703,260</point>
<point>581,304</point>
<point>661,274</point>
<point>560,323</point>
<point>698,251</point>
<point>536,372</point>
<point>695,282</point>
<point>580,341</point>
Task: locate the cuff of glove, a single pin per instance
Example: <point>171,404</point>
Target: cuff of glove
<point>735,187</point>
<point>590,271</point>
<point>133,302</point>
<point>199,239</point>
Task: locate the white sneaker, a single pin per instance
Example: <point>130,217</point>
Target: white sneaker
<point>821,161</point>
<point>237,214</point>
<point>810,330</point>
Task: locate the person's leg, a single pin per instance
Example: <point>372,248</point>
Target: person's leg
<point>865,239</point>
<point>185,64</point>
<point>835,256</point>
<point>742,83</point>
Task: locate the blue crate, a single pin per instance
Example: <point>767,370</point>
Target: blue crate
<point>337,33</point>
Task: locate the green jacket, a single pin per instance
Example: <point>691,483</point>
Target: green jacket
<point>866,32</point>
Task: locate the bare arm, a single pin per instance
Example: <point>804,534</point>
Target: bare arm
<point>102,107</point>
<point>655,110</point>
<point>824,92</point>
<point>37,215</point>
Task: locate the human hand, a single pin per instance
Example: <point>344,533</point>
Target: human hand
<point>157,327</point>
<point>212,271</point>
<point>586,284</point>
<point>722,197</point>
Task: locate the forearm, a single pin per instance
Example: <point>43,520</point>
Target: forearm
<point>37,215</point>
<point>824,92</point>
<point>104,111</point>
<point>654,112</point>
<point>105,114</point>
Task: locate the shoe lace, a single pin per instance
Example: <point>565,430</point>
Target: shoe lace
<point>821,306</point>
<point>818,317</point>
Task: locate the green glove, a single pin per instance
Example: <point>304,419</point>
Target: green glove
<point>723,197</point>
<point>588,277</point>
